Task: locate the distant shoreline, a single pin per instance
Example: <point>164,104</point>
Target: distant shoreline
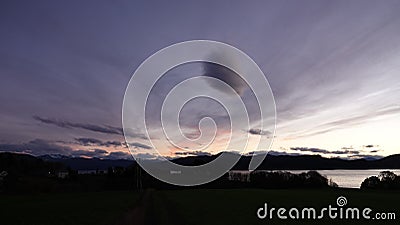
<point>351,178</point>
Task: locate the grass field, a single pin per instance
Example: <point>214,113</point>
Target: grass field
<point>189,207</point>
<point>96,208</point>
<point>240,206</point>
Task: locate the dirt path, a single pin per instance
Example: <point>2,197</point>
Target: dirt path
<point>137,215</point>
<point>152,209</point>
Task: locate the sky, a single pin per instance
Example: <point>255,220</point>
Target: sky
<point>333,67</point>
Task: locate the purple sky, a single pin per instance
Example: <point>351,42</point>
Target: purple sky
<point>334,69</point>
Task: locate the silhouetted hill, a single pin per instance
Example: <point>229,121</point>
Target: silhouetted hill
<point>389,162</point>
<point>23,162</point>
<point>26,164</point>
<point>301,162</point>
<point>88,163</point>
<point>194,160</point>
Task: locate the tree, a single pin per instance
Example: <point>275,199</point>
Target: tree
<point>385,180</point>
<point>371,183</point>
<point>387,176</point>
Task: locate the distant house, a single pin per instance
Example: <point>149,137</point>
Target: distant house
<point>62,174</point>
<point>93,172</point>
<point>3,174</point>
<point>242,176</point>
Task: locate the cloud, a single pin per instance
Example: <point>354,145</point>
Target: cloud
<point>96,142</point>
<point>194,153</point>
<point>137,145</point>
<point>98,153</point>
<point>323,151</point>
<point>88,141</point>
<point>372,148</point>
<point>255,131</point>
<point>101,153</point>
<point>365,156</point>
<point>91,127</point>
<point>350,152</point>
<point>348,122</point>
<point>345,152</point>
<point>369,146</point>
<point>40,147</point>
<point>277,153</point>
<point>132,133</point>
<point>119,155</point>
<point>37,147</point>
<point>113,143</point>
<point>224,74</point>
<point>306,149</point>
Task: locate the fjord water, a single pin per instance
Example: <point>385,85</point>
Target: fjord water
<point>351,178</point>
<point>346,178</point>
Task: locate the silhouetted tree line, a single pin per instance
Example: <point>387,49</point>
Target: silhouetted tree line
<point>280,179</point>
<point>385,180</point>
<point>255,179</point>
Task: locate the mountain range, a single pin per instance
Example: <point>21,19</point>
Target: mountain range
<point>271,162</point>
